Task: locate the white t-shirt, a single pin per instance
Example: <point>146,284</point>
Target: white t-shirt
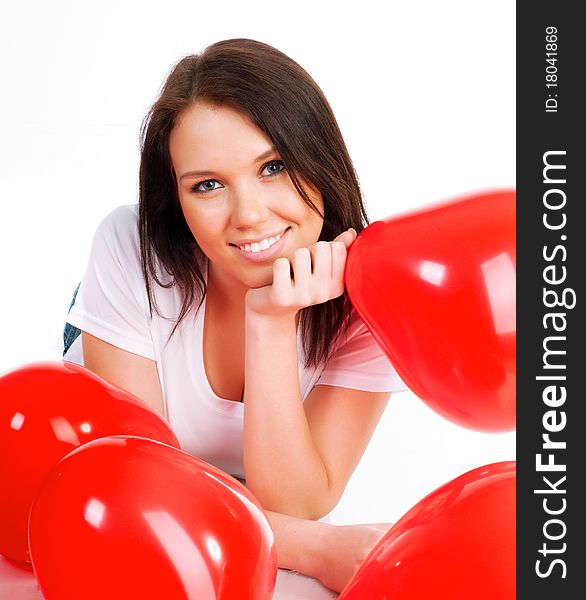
<point>112,305</point>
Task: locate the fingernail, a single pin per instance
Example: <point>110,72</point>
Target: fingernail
<point>352,229</point>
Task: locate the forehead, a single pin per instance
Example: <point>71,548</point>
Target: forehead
<point>213,133</point>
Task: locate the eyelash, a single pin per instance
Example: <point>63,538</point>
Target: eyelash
<point>195,186</point>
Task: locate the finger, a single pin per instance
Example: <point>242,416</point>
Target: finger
<point>321,256</point>
<point>301,268</point>
<point>282,273</point>
<point>346,237</point>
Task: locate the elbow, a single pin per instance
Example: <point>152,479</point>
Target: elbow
<point>325,506</point>
<point>319,512</point>
<point>322,505</point>
<point>310,506</point>
<point>310,511</point>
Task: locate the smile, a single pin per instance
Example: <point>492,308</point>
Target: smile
<point>262,245</point>
<point>265,249</point>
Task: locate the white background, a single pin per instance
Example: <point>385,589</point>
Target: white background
<point>424,93</point>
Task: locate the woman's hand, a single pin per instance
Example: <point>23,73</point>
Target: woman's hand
<point>344,549</point>
<point>318,276</point>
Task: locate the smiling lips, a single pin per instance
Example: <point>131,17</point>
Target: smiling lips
<point>262,245</point>
<point>263,250</point>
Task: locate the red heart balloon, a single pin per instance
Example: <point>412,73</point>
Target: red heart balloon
<point>46,410</point>
<point>457,543</point>
<point>437,289</point>
<point>127,517</point>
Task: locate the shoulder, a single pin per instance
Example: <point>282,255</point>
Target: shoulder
<point>356,329</point>
<point>359,362</point>
<point>120,223</point>
<point>117,234</point>
<point>355,342</point>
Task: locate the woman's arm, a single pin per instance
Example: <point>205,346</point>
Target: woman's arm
<point>298,458</point>
<point>282,465</point>
<point>131,372</point>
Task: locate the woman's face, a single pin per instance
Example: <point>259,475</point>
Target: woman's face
<point>237,197</point>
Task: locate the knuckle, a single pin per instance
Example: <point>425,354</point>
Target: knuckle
<point>301,253</point>
<point>304,299</point>
<point>281,263</point>
<point>337,287</point>
<point>280,298</point>
<point>321,295</point>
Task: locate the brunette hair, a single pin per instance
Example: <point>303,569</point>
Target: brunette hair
<point>282,99</point>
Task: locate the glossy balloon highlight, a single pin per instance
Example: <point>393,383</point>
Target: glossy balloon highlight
<point>46,410</point>
<point>457,543</point>
<point>437,289</point>
<point>127,517</point>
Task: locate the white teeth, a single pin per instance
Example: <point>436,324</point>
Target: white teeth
<point>262,245</point>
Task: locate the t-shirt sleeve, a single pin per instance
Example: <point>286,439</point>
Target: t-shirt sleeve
<point>111,303</point>
<point>361,364</point>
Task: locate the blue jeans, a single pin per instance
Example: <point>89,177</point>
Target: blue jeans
<point>70,333</point>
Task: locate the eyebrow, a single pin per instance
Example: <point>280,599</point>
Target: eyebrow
<point>266,154</point>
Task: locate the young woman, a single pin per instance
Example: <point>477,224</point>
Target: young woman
<point>220,300</point>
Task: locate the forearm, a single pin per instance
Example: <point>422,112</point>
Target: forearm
<point>300,543</point>
<point>283,467</point>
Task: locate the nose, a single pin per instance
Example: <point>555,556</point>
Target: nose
<point>248,208</point>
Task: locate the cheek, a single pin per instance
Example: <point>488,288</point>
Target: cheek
<point>303,213</point>
<point>192,222</point>
<point>204,236</point>
<point>314,224</point>
<point>201,233</point>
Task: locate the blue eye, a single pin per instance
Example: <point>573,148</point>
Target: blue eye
<point>274,167</point>
<point>204,186</point>
<point>271,169</point>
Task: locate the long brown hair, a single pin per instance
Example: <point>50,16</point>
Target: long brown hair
<point>282,99</point>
